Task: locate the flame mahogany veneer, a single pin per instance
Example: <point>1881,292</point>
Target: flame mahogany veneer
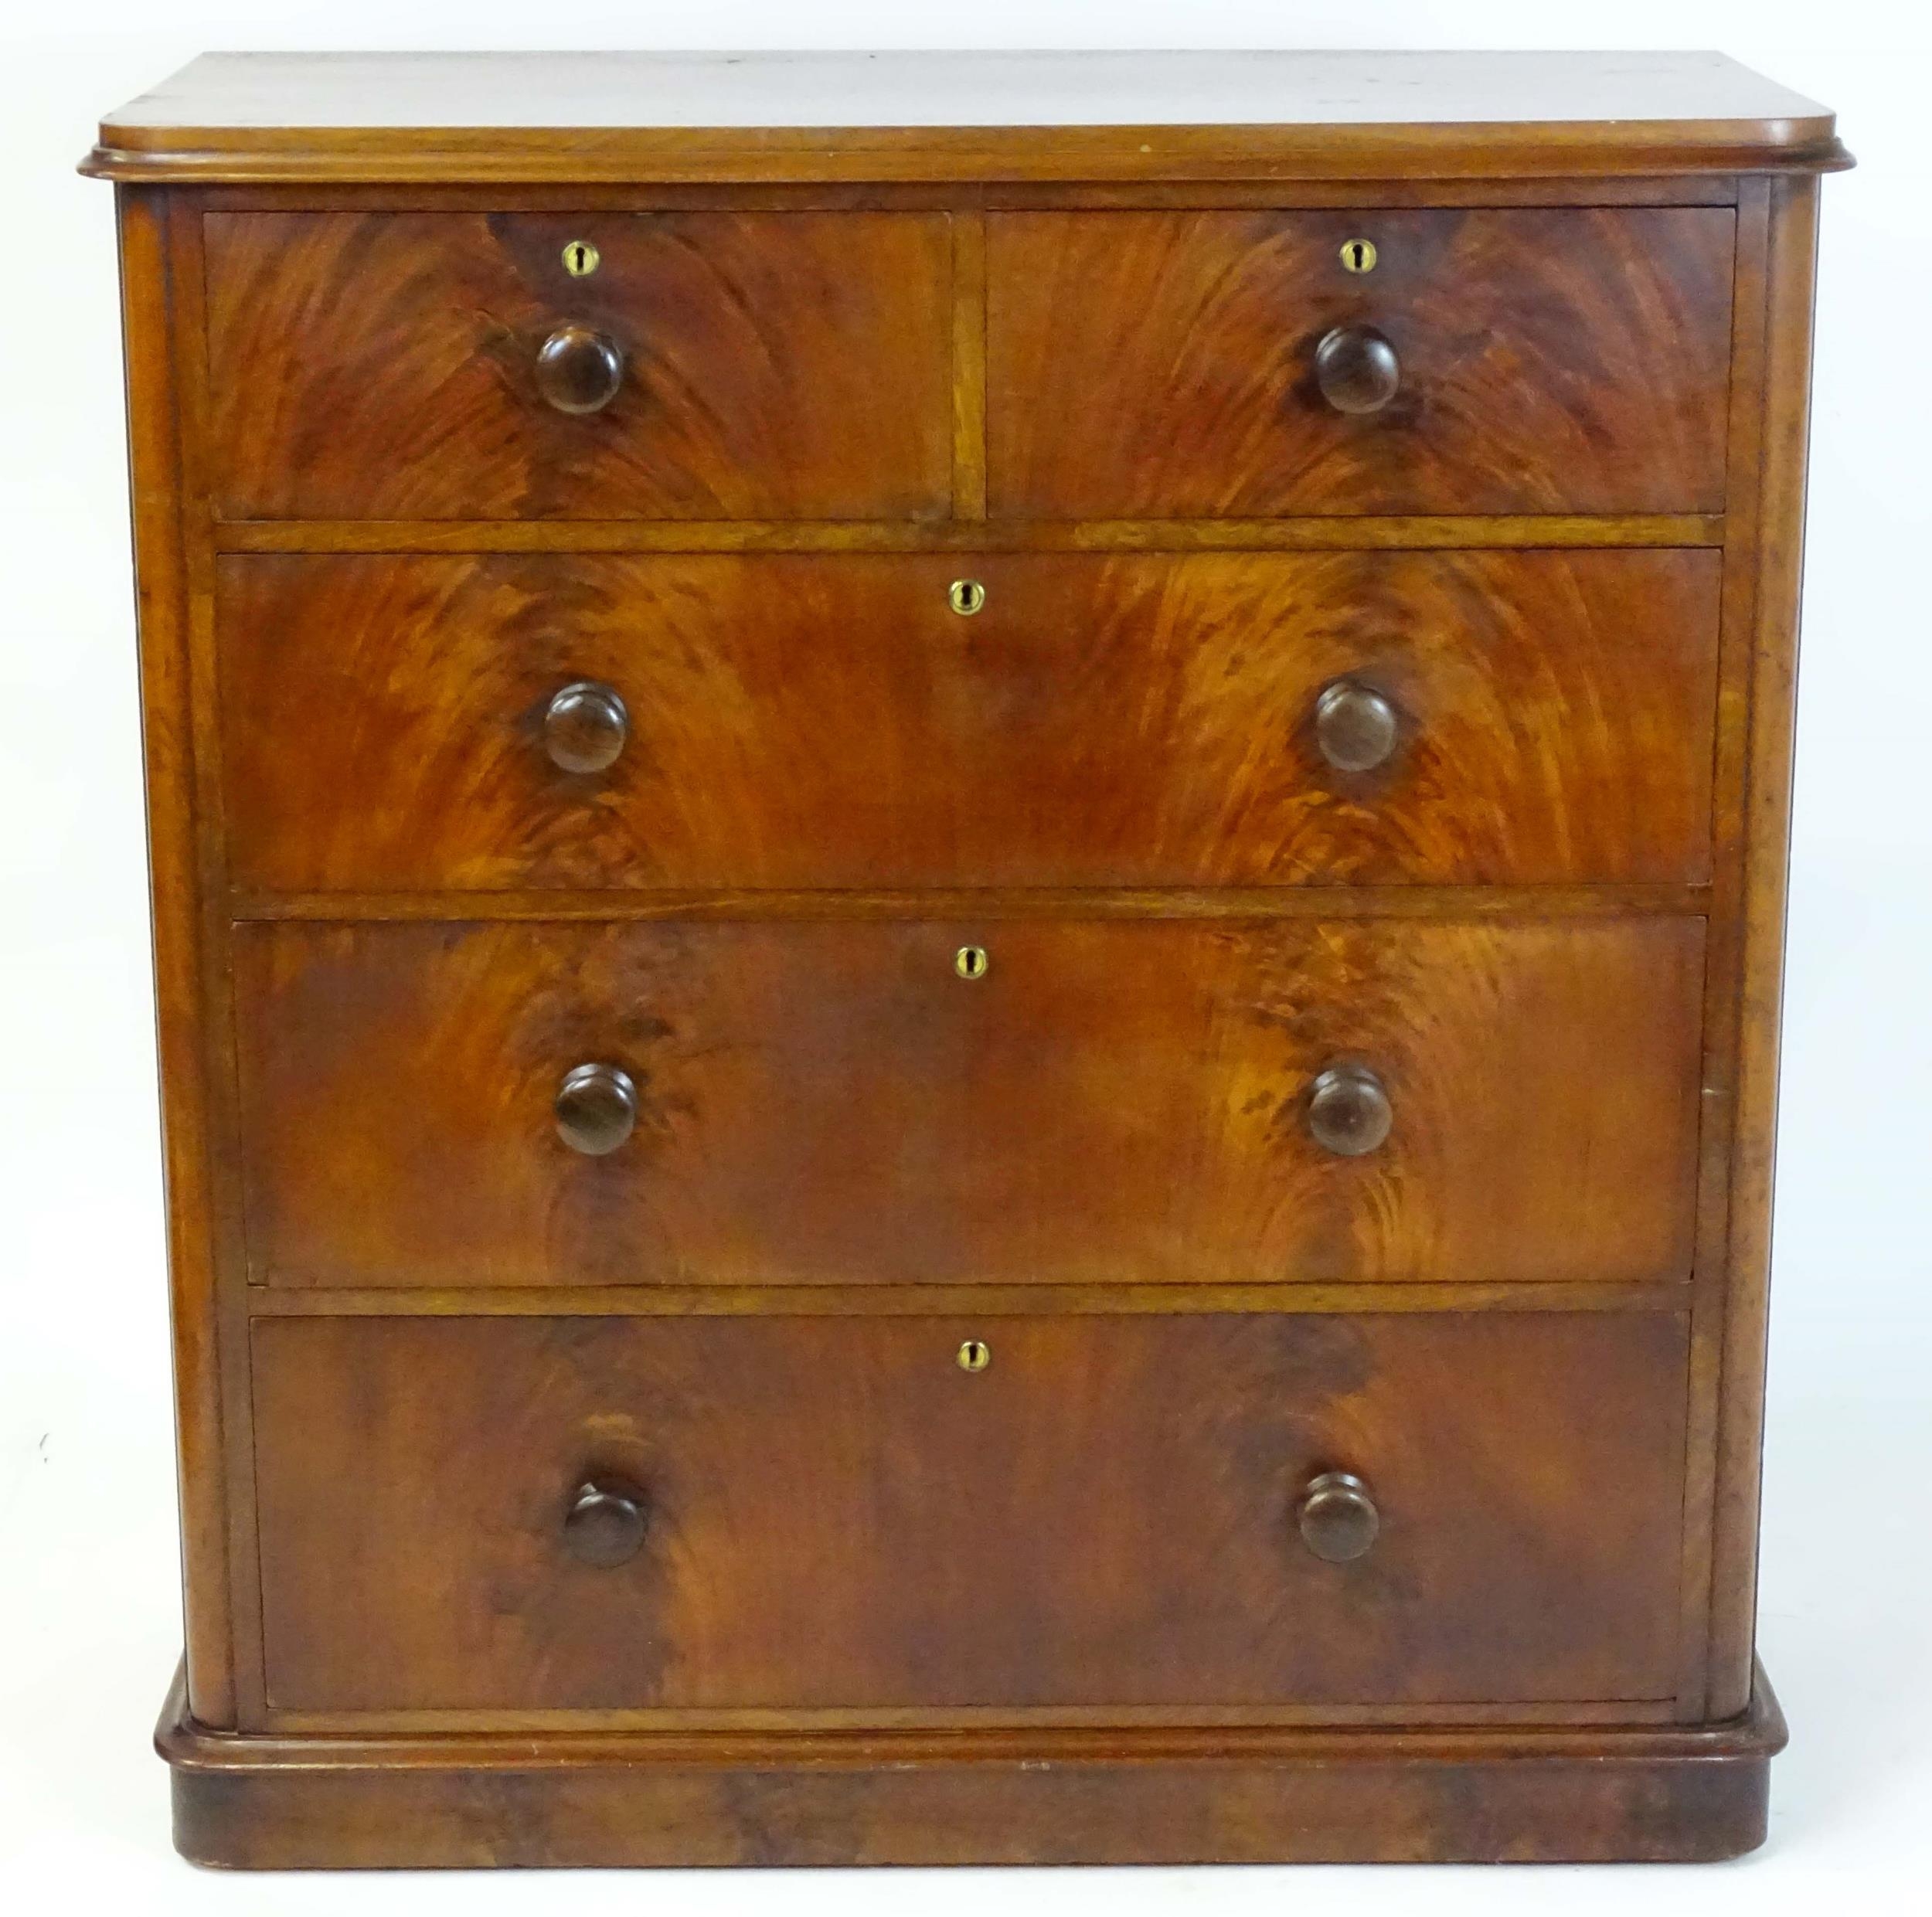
<point>968,881</point>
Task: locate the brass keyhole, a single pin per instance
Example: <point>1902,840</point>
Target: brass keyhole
<point>1358,256</point>
<point>970,961</point>
<point>966,596</point>
<point>973,1356</point>
<point>580,258</point>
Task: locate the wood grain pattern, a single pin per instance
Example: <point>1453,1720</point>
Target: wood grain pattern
<point>828,721</point>
<point>213,1009</point>
<point>883,1608</point>
<point>777,366</point>
<point>1721,1032</point>
<point>1115,1102</point>
<point>973,116</point>
<point>1036,1795</point>
<point>1756,994</point>
<point>1428,532</point>
<point>969,365</point>
<point>191,1106</point>
<point>1161,363</point>
<point>875,196</point>
<point>986,1301</point>
<point>918,92</point>
<point>710,904</point>
<point>838,1516</point>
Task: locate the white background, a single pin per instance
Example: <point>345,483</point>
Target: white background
<point>89,1623</point>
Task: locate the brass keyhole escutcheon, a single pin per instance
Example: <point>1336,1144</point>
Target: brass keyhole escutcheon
<point>580,258</point>
<point>970,961</point>
<point>973,1356</point>
<point>1358,256</point>
<point>966,596</point>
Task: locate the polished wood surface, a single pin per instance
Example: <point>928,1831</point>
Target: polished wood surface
<point>1356,726</point>
<point>967,116</point>
<point>839,1516</point>
<point>831,1103</point>
<point>1348,1111</point>
<point>1030,850</point>
<point>392,366</point>
<point>188,945</point>
<point>710,905</point>
<point>1355,1794</point>
<point>596,1108</point>
<point>1356,368</point>
<point>1150,364</point>
<point>577,368</point>
<point>605,1523</point>
<point>1779,439</point>
<point>1428,532</point>
<point>1338,1517</point>
<point>586,725</point>
<point>800,721</point>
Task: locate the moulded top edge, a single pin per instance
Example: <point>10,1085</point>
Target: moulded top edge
<point>614,117</point>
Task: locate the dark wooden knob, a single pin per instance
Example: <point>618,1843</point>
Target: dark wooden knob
<point>1354,726</point>
<point>1356,368</point>
<point>1338,1517</point>
<point>585,726</point>
<point>597,1108</point>
<point>578,370</point>
<point>604,1526</point>
<point>1348,1111</point>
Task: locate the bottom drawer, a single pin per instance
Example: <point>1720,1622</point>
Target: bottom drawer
<point>834,1513</point>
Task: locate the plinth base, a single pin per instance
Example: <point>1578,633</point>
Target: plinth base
<point>1654,1793</point>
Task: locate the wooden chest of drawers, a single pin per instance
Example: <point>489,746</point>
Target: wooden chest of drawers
<point>968,881</point>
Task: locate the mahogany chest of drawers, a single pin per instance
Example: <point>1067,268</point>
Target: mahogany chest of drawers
<point>967,877</point>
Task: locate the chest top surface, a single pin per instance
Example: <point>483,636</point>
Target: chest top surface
<point>244,117</point>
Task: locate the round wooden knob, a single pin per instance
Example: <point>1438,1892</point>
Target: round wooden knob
<point>578,370</point>
<point>1356,368</point>
<point>585,726</point>
<point>1354,726</point>
<point>597,1108</point>
<point>604,1526</point>
<point>1348,1111</point>
<point>1338,1517</point>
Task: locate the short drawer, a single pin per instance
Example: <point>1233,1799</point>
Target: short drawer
<point>492,721</point>
<point>450,365</point>
<point>745,1103</point>
<point>1205,364</point>
<point>778,1514</point>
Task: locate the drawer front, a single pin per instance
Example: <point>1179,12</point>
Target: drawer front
<point>831,1514</point>
<point>834,1102</point>
<point>386,365</point>
<point>791,721</point>
<point>1156,364</point>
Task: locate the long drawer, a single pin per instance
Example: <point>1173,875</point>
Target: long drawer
<point>746,1102</point>
<point>482,722</point>
<point>750,1513</point>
